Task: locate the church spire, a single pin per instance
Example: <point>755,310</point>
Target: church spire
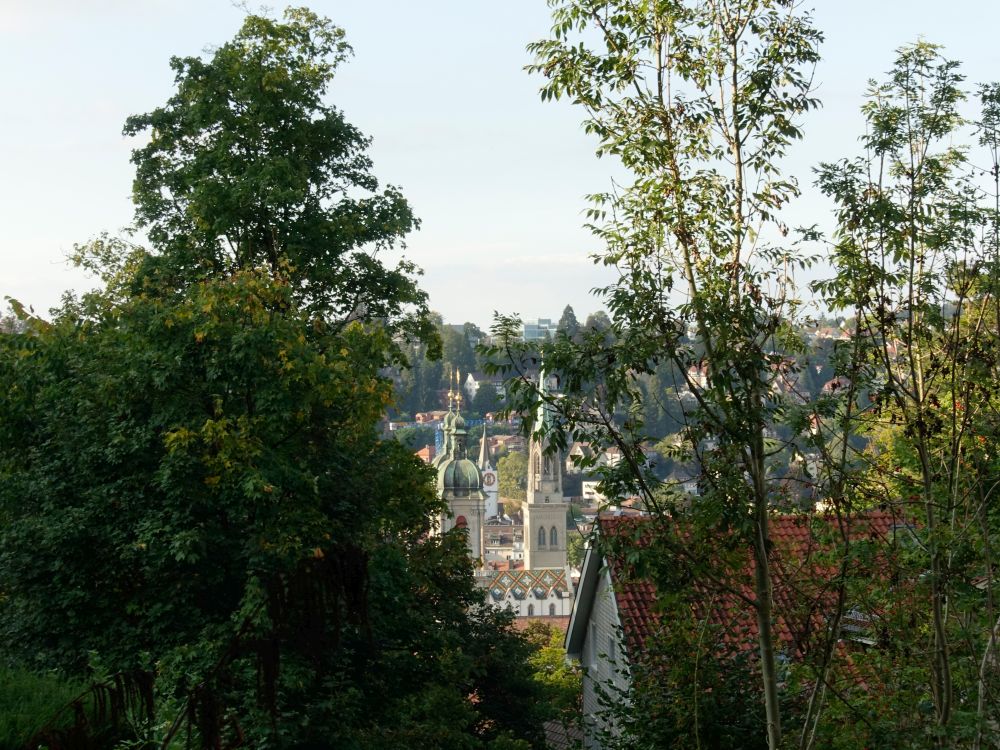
<point>485,452</point>
<point>545,507</point>
<point>448,428</point>
<point>543,417</point>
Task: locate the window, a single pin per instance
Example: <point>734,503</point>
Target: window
<point>541,538</point>
<point>552,609</point>
<point>531,610</point>
<point>611,649</point>
<point>537,465</point>
<point>553,537</point>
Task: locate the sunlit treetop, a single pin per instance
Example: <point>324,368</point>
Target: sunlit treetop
<point>248,166</point>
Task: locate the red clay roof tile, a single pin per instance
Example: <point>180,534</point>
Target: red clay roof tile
<point>799,577</point>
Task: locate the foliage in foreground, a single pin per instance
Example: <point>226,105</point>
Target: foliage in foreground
<point>192,486</point>
<point>28,701</point>
<point>700,101</point>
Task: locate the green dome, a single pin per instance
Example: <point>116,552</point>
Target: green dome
<point>460,477</point>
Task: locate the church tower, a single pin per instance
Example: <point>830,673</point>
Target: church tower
<point>491,480</point>
<point>545,509</point>
<point>447,449</point>
<point>461,485</point>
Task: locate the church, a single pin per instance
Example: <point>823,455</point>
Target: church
<point>542,586</point>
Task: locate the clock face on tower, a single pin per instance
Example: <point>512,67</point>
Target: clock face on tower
<point>489,479</point>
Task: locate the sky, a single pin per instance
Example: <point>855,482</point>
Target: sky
<point>497,177</point>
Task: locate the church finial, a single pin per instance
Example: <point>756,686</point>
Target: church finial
<point>458,389</point>
<point>451,393</point>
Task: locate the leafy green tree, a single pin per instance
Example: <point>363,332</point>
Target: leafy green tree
<point>246,166</point>
<point>916,253</point>
<point>576,549</point>
<point>421,379</point>
<point>558,679</point>
<point>416,437</point>
<point>699,102</point>
<point>486,400</point>
<point>458,352</point>
<point>192,485</point>
<point>513,472</point>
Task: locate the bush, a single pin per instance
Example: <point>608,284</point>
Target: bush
<point>28,701</point>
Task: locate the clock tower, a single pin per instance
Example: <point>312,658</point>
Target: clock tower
<point>545,508</point>
<point>491,480</point>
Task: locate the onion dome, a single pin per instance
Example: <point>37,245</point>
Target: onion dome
<point>458,476</point>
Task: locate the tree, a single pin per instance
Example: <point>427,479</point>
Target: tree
<point>598,321</point>
<point>576,549</point>
<point>486,401</point>
<point>415,437</point>
<point>559,680</point>
<point>246,166</point>
<point>513,472</point>
<point>192,485</point>
<point>568,324</point>
<point>699,101</point>
<point>458,352</point>
<point>916,253</point>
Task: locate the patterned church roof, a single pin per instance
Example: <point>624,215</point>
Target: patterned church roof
<point>522,584</point>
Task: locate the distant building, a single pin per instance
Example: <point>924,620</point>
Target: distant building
<point>590,494</point>
<point>545,508</point>
<point>538,330</point>
<point>578,451</point>
<point>476,380</point>
<point>460,485</point>
<point>539,587</point>
<point>533,593</point>
<point>491,480</point>
<point>509,443</point>
<point>430,417</point>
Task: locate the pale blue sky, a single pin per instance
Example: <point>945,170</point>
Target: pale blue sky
<point>497,176</point>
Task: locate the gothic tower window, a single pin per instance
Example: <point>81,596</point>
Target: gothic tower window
<point>537,470</point>
<point>531,610</point>
<point>552,609</point>
<point>553,537</point>
<point>541,537</point>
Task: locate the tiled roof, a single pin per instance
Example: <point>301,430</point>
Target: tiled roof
<point>559,736</point>
<point>800,569</point>
<point>528,584</point>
